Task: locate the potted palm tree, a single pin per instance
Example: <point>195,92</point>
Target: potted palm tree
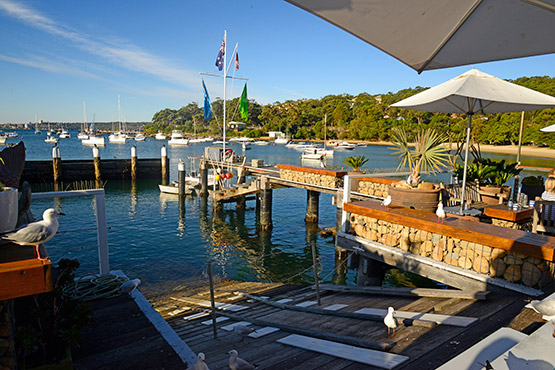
<point>428,154</point>
<point>8,208</point>
<point>355,162</point>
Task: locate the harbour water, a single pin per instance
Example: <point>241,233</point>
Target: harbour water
<point>164,244</point>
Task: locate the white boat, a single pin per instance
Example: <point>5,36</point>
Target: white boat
<point>281,140</point>
<point>94,139</point>
<point>173,188</point>
<point>196,140</point>
<point>209,139</point>
<point>140,137</point>
<point>64,134</point>
<point>161,136</point>
<point>261,142</point>
<point>50,139</point>
<point>178,138</point>
<point>3,139</point>
<point>291,145</point>
<point>12,134</point>
<point>311,154</point>
<point>305,146</point>
<point>324,151</point>
<point>345,146</point>
<point>82,136</point>
<point>220,142</point>
<point>117,138</point>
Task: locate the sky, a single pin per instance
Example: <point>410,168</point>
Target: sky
<point>55,55</point>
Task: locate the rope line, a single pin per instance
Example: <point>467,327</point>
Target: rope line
<point>94,286</point>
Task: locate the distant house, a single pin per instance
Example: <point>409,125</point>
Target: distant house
<point>239,126</point>
<point>276,134</point>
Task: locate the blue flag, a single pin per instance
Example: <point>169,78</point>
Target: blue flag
<point>220,58</point>
<point>207,106</point>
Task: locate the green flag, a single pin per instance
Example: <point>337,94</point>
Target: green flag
<point>244,105</point>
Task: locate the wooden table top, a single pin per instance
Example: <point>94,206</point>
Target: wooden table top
<point>503,212</point>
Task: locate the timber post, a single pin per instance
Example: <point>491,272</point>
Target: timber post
<point>370,272</point>
<point>134,162</point>
<point>265,204</point>
<point>241,203</point>
<point>96,156</point>
<point>181,178</point>
<point>56,163</point>
<point>164,161</point>
<point>312,205</point>
<point>203,179</point>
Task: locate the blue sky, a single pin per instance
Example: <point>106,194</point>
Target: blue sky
<point>56,54</point>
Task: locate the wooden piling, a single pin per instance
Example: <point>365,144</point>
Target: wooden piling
<point>97,171</point>
<point>312,205</point>
<point>212,302</point>
<point>203,179</point>
<point>56,164</point>
<point>316,278</point>
<point>181,178</point>
<point>165,167</point>
<point>134,162</point>
<point>370,272</point>
<point>241,203</point>
<point>265,204</point>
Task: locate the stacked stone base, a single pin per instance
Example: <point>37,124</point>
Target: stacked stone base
<point>495,262</point>
<point>311,178</point>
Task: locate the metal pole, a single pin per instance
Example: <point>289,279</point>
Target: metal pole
<point>315,273</point>
<point>517,177</point>
<point>225,85</point>
<point>212,303</point>
<point>465,162</point>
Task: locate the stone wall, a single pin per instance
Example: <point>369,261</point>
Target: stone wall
<point>311,178</point>
<point>372,188</point>
<point>495,262</point>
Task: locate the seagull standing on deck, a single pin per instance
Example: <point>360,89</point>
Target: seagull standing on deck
<point>200,365</point>
<point>243,331</point>
<point>35,233</point>
<point>390,321</point>
<point>386,202</point>
<point>237,363</point>
<point>546,308</point>
<point>440,212</point>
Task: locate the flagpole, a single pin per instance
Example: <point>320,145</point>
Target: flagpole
<point>225,79</point>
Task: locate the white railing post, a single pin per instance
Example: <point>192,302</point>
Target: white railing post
<point>346,199</point>
<point>102,234</point>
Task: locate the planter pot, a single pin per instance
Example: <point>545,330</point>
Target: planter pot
<point>425,200</point>
<point>492,193</point>
<point>8,209</point>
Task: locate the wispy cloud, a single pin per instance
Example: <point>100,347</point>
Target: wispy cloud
<point>49,65</point>
<point>121,54</point>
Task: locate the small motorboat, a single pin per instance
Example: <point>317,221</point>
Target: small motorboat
<point>173,188</point>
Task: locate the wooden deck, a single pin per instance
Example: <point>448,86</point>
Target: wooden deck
<point>425,347</point>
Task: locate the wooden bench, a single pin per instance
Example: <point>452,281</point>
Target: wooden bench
<point>530,244</point>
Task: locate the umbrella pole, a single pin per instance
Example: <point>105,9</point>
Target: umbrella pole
<point>517,177</point>
<point>463,190</point>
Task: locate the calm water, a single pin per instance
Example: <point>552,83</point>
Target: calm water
<point>164,244</point>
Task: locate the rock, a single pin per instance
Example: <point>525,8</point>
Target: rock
<point>465,262</point>
<point>390,240</point>
<point>534,260</point>
<point>452,259</point>
<point>512,259</point>
<point>481,265</point>
<point>405,244</point>
<point>437,254</point>
<point>497,268</point>
<point>513,273</point>
<point>426,186</point>
<point>531,275</point>
<point>426,248</point>
<point>359,230</point>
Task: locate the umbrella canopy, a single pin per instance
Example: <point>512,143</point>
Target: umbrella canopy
<point>548,128</point>
<point>476,92</point>
<point>433,34</point>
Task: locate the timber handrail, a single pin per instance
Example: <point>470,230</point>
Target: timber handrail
<point>530,244</point>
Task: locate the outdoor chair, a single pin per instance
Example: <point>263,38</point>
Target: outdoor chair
<point>544,217</point>
<point>471,195</point>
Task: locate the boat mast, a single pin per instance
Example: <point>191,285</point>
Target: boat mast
<point>225,79</point>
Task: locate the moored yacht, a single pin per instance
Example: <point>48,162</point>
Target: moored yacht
<point>178,138</point>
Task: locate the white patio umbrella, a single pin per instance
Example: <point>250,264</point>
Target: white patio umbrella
<point>432,34</point>
<point>550,128</point>
<point>476,92</point>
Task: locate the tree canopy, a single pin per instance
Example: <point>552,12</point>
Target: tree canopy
<point>362,117</point>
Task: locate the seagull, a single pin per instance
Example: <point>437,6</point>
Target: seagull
<point>35,233</point>
<point>546,308</point>
<point>129,286</point>
<point>440,212</point>
<point>386,202</point>
<point>242,330</point>
<point>237,363</point>
<point>487,365</point>
<point>200,365</point>
<point>390,321</point>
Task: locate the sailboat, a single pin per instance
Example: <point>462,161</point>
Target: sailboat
<point>37,131</point>
<point>82,135</point>
<point>118,137</point>
<point>94,137</point>
<point>50,138</point>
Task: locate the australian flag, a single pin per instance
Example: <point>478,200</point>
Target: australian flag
<point>220,58</point>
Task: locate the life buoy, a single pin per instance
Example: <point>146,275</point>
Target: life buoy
<point>229,151</point>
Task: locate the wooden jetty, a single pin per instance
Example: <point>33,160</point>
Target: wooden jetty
<point>288,338</point>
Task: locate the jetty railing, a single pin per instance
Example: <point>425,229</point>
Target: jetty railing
<point>101,227</point>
